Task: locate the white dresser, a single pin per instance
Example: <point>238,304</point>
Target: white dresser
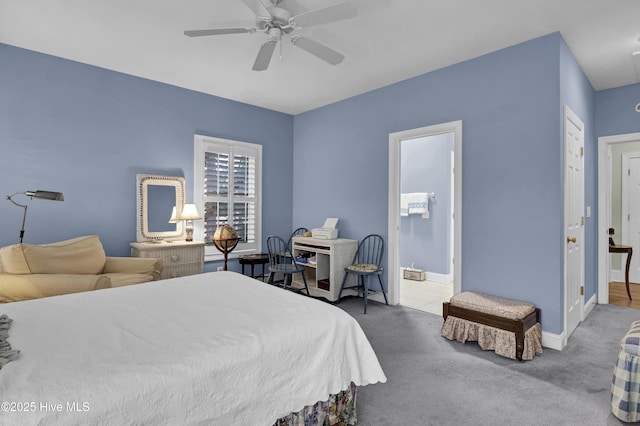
<point>179,258</point>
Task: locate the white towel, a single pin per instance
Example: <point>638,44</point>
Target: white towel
<point>418,203</point>
<point>404,204</point>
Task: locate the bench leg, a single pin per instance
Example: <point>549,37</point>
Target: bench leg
<point>519,343</point>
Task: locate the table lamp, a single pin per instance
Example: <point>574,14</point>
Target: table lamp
<point>189,214</point>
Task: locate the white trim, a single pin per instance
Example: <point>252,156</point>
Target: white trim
<point>452,222</point>
<point>554,341</point>
<point>589,305</point>
<point>604,210</point>
<point>394,202</point>
<point>616,275</point>
<point>559,341</point>
<point>235,146</point>
<point>624,188</point>
<point>439,278</point>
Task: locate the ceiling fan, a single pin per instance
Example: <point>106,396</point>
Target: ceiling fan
<point>276,21</point>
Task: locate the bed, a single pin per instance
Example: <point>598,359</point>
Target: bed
<point>216,348</point>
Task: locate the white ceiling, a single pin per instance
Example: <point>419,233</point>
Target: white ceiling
<point>388,41</point>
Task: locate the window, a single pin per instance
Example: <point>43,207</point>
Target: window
<point>228,190</point>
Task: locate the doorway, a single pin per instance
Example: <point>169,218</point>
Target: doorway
<point>630,214</point>
<point>415,239</point>
<point>609,181</point>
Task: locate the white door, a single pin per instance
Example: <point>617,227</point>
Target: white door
<point>631,214</point>
<point>573,219</point>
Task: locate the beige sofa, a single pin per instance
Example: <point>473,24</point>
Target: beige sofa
<point>33,271</point>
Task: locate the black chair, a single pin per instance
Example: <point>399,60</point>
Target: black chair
<point>299,231</point>
<point>282,261</point>
<point>366,262</point>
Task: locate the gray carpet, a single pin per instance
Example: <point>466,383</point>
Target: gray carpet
<point>433,381</point>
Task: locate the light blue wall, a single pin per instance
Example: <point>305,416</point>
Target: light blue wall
<point>615,111</point>
<point>576,92</point>
<point>87,132</point>
<point>509,105</point>
<point>426,167</point>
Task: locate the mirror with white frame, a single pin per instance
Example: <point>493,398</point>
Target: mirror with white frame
<point>156,197</point>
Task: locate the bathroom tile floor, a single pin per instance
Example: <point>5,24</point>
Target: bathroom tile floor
<point>425,296</point>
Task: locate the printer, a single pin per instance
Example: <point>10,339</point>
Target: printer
<point>328,230</point>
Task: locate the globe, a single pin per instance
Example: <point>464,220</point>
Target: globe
<point>225,238</point>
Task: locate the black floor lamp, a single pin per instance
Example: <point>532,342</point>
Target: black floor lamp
<point>43,195</point>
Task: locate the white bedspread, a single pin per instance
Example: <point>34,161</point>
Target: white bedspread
<point>215,349</point>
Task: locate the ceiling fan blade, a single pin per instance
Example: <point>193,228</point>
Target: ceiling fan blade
<point>319,50</point>
<point>258,7</point>
<point>325,15</point>
<point>264,56</point>
<point>218,31</point>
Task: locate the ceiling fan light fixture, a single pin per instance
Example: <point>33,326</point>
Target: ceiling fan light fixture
<point>276,21</point>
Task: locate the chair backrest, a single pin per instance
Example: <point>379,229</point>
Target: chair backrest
<point>299,231</point>
<point>370,250</point>
<point>278,251</point>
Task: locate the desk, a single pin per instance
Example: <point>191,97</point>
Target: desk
<point>254,259</point>
<point>629,251</point>
<point>325,275</point>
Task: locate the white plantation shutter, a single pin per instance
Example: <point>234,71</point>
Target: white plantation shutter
<point>230,191</point>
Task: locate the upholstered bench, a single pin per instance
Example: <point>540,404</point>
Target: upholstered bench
<point>511,328</point>
<point>625,385</point>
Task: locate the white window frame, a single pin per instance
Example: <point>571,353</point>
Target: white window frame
<point>203,144</point>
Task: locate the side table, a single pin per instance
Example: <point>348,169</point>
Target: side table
<point>253,260</point>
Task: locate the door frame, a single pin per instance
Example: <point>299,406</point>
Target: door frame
<point>624,224</point>
<point>393,275</point>
<point>604,210</point>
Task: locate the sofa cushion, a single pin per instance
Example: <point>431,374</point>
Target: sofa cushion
<point>16,288</point>
<point>82,255</point>
<point>13,261</point>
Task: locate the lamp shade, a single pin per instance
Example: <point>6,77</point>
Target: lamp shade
<point>45,195</point>
<point>190,212</point>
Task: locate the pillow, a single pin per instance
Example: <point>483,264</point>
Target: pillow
<point>13,261</point>
<point>82,255</point>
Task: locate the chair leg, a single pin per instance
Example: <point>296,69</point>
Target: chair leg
<point>366,291</point>
<point>270,279</point>
<point>384,293</point>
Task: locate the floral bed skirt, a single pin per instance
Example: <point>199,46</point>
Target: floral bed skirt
<point>491,338</point>
<point>338,410</point>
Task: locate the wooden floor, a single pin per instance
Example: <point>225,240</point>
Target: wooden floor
<point>618,294</point>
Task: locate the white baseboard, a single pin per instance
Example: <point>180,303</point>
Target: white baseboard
<point>588,307</point>
<point>616,275</point>
<point>439,278</point>
<point>554,341</point>
<point>559,341</point>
